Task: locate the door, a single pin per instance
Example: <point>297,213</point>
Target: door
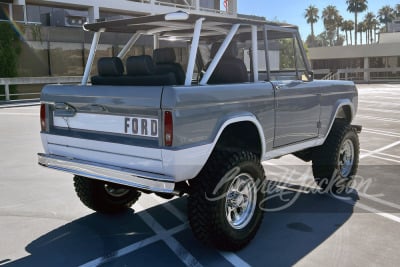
<point>297,99</point>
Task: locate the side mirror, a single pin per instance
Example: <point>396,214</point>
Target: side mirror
<point>311,76</point>
<point>307,76</point>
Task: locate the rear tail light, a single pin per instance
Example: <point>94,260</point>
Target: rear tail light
<point>168,128</point>
<point>43,117</point>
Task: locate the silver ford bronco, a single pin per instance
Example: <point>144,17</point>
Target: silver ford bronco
<point>243,93</point>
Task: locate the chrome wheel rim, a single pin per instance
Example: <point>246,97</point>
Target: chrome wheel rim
<point>241,199</point>
<point>116,191</point>
<point>346,158</point>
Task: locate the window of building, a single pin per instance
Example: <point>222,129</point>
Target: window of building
<point>58,17</point>
<point>335,64</point>
<point>384,62</point>
<point>4,10</point>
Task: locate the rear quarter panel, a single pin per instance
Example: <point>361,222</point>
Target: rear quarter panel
<point>200,111</point>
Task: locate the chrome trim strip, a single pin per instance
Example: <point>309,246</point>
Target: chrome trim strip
<point>141,180</point>
<point>286,150</point>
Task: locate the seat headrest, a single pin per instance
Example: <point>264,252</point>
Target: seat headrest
<point>140,65</point>
<point>231,50</point>
<point>164,55</point>
<point>110,66</point>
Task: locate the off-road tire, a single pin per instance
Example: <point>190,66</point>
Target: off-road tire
<point>209,217</point>
<point>326,166</point>
<point>94,195</point>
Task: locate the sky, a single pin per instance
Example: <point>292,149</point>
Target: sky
<point>292,11</point>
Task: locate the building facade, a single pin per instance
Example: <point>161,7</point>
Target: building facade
<point>54,44</point>
<point>364,63</point>
<point>74,12</point>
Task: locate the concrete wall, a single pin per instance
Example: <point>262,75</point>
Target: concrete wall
<point>373,50</point>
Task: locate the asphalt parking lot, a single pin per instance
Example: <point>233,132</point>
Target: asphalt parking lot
<point>42,222</point>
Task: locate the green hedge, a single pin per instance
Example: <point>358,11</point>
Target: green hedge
<point>10,48</point>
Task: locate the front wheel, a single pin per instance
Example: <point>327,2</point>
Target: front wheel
<point>224,203</point>
<point>104,197</point>
<point>336,162</point>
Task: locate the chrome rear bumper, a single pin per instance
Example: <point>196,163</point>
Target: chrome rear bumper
<point>141,180</point>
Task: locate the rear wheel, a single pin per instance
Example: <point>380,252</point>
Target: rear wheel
<point>336,162</point>
<point>104,197</point>
<point>224,203</point>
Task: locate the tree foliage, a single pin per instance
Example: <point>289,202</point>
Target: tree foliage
<point>331,18</point>
<point>312,17</point>
<point>386,15</point>
<point>9,50</point>
<point>356,6</point>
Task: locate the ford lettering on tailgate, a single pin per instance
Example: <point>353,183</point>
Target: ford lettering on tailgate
<point>141,126</point>
<point>137,126</point>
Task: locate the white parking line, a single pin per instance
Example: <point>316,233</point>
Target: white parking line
<point>381,201</point>
<point>379,150</point>
<point>377,118</point>
<point>394,97</point>
<point>361,206</point>
<point>18,114</point>
<point>379,103</point>
<point>380,132</point>
<point>229,256</point>
<point>382,154</point>
<point>133,247</point>
<point>391,160</point>
<point>184,255</point>
<point>373,210</point>
<point>381,110</point>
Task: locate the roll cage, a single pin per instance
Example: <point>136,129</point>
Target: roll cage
<point>181,26</point>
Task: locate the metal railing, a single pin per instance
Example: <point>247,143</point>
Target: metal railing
<point>329,76</point>
<point>6,82</point>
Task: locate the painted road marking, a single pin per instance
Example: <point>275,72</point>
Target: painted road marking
<point>229,256</point>
<point>184,255</point>
<point>370,209</point>
<point>160,234</point>
<point>379,150</point>
<point>381,201</point>
<point>382,158</point>
<point>379,103</point>
<point>380,132</point>
<point>362,206</point>
<point>18,114</point>
<point>133,247</point>
<point>381,110</point>
<point>378,118</point>
<point>385,156</point>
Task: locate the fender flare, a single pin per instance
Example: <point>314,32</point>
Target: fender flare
<point>243,117</point>
<point>338,105</point>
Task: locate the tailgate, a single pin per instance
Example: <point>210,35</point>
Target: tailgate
<point>113,125</point>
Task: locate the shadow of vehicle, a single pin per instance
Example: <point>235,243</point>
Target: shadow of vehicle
<point>285,237</point>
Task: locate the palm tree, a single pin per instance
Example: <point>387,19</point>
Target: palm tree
<point>351,28</point>
<point>361,29</point>
<point>339,22</point>
<point>375,25</point>
<point>312,17</point>
<point>356,6</point>
<point>348,26</point>
<point>329,15</point>
<point>369,25</point>
<point>385,15</point>
<point>397,10</point>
